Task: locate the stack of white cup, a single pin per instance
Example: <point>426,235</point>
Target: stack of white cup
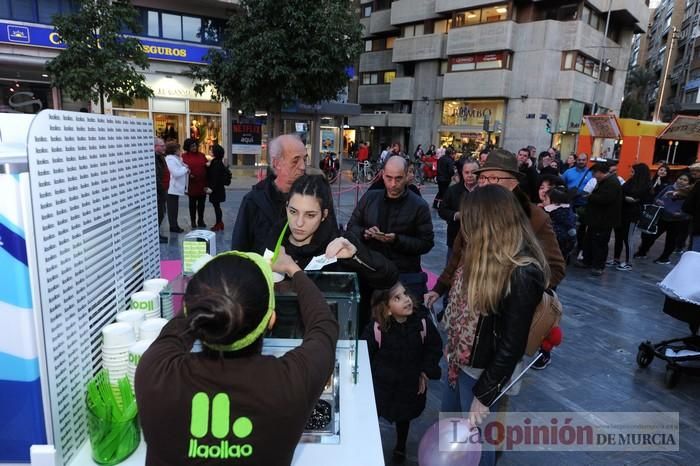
<point>147,302</point>
<point>157,285</point>
<point>116,340</point>
<point>150,328</point>
<point>132,317</point>
<point>135,352</point>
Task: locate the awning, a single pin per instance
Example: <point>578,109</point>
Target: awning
<point>682,128</point>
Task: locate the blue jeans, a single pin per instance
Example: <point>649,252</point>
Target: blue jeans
<point>460,399</point>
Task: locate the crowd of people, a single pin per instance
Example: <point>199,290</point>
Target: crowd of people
<point>192,174</point>
<point>514,221</point>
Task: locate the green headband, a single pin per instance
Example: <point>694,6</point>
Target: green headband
<point>251,337</point>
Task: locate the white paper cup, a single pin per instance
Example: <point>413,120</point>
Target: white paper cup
<point>147,302</point>
<point>118,335</point>
<point>155,285</point>
<point>136,351</point>
<point>150,328</point>
<point>132,317</point>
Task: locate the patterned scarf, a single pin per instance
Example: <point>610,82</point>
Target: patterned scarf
<point>461,329</point>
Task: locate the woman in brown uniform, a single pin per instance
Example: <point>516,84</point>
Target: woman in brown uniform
<point>229,402</point>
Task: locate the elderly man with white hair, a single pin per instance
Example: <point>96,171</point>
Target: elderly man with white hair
<point>264,206</point>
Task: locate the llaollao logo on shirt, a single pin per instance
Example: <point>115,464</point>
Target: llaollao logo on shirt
<point>213,416</point>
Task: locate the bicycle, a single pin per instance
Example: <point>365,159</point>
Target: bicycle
<point>362,172</point>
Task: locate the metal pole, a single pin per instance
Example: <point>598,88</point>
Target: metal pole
<point>602,60</point>
<point>659,98</point>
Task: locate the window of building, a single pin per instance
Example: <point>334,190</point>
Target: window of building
<point>390,42</point>
<point>574,60</point>
<point>378,77</point>
<point>368,46</point>
<point>442,27</point>
<point>366,11</point>
<point>480,61</point>
<point>175,26</point>
<point>191,28</point>
<point>153,24</point>
<point>35,11</point>
<point>444,66</point>
<point>481,15</point>
<point>382,5</point>
<point>567,12</point>
<point>413,30</point>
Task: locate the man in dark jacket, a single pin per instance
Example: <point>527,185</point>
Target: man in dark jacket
<point>603,213</point>
<point>691,206</point>
<point>445,171</point>
<point>396,222</point>
<point>161,184</point>
<point>449,207</point>
<point>264,206</point>
<point>528,175</point>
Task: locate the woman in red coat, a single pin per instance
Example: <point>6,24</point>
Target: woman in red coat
<point>197,163</point>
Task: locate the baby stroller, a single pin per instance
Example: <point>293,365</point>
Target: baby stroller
<point>682,290</point>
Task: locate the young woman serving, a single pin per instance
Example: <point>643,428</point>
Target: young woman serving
<point>309,232</point>
<point>229,404</point>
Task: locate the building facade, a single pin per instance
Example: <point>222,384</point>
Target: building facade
<point>471,73</point>
<point>174,35</point>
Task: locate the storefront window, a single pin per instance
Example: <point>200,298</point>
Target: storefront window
<point>471,113</point>
<point>206,130</point>
<point>170,127</point>
<point>27,98</point>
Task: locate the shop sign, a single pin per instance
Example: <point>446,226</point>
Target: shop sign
<point>42,36</point>
<point>471,62</point>
<point>682,128</point>
<point>246,139</point>
<point>603,126</point>
<point>472,112</point>
<point>175,87</point>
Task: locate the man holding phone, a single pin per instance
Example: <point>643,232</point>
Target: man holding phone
<point>397,223</point>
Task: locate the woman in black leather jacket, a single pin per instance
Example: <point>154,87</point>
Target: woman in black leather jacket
<point>494,294</point>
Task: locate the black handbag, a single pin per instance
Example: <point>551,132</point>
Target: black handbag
<point>649,218</point>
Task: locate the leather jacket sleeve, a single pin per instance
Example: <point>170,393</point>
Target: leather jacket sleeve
<point>513,323</point>
<point>379,271</point>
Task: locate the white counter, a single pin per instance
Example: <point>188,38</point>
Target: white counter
<point>360,442</point>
